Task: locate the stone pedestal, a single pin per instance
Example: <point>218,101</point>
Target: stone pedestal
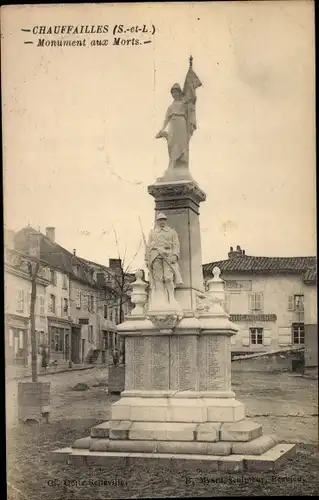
<point>178,402</point>
<point>34,401</point>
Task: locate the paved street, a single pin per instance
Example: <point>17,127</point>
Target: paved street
<point>285,403</point>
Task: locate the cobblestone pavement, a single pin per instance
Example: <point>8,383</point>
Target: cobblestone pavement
<point>286,404</point>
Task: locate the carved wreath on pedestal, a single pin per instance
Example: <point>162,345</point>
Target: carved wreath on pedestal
<point>165,321</point>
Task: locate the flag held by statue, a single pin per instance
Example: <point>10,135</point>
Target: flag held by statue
<point>192,82</point>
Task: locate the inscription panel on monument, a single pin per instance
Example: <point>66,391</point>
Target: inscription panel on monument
<point>142,363</point>
<point>183,367</point>
<point>202,362</point>
<point>217,363</point>
<point>160,363</point>
<point>129,363</point>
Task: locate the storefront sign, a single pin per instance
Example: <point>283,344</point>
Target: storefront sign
<point>253,317</point>
<point>238,285</point>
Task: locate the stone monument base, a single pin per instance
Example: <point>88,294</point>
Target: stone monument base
<point>197,419</point>
<point>220,446</point>
<point>199,428</point>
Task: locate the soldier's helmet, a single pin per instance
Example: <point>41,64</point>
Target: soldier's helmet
<point>161,216</point>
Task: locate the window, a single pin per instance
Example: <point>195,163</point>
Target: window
<point>53,277</point>
<point>20,301</point>
<point>52,305</point>
<point>91,303</point>
<point>108,277</point>
<point>105,311</point>
<point>296,303</point>
<point>65,307</point>
<point>78,299</point>
<point>256,301</point>
<point>111,340</point>
<point>57,339</point>
<point>113,315</point>
<point>298,333</point>
<point>90,327</point>
<point>42,305</point>
<point>256,336</point>
<point>65,281</point>
<point>85,300</point>
<point>11,337</point>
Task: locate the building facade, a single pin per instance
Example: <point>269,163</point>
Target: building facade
<point>81,304</point>
<point>58,314</point>
<point>112,301</point>
<point>311,322</point>
<point>267,298</point>
<point>17,282</point>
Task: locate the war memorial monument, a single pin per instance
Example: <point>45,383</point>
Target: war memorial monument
<point>178,404</point>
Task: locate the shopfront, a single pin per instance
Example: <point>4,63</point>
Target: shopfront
<point>16,340</point>
<point>59,340</point>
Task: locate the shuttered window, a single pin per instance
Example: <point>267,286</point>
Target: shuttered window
<point>256,301</point>
<point>20,301</point>
<point>78,299</point>
<point>290,303</point>
<point>42,305</point>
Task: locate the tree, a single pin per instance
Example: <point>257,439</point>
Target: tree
<point>34,396</point>
<point>33,271</point>
<point>122,281</point>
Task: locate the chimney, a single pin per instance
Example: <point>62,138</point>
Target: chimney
<point>232,254</point>
<point>115,264</point>
<point>50,233</point>
<point>74,252</point>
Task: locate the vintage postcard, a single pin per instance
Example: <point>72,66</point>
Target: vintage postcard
<point>160,249</point>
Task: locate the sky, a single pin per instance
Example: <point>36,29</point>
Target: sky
<point>79,124</point>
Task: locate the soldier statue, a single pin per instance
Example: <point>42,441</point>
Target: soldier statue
<point>162,256</point>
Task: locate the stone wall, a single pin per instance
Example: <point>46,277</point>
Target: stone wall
<point>311,346</point>
<point>286,360</point>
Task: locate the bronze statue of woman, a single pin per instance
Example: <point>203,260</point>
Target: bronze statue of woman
<point>180,120</point>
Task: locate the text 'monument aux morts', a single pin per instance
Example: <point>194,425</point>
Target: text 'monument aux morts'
<point>74,35</point>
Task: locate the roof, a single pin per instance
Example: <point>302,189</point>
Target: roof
<point>58,257</point>
<point>105,268</point>
<point>262,265</point>
<point>123,287</point>
<point>310,275</point>
<point>16,261</point>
